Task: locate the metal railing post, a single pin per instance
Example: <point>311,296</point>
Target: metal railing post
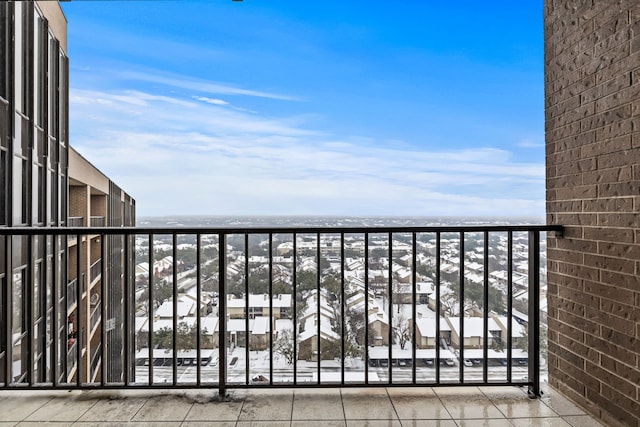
<point>534,314</point>
<point>222,316</point>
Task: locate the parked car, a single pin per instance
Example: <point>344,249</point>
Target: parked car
<point>259,379</point>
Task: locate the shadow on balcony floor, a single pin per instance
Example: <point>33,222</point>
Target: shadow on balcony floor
<point>469,406</point>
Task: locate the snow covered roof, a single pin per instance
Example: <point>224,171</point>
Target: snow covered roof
<point>427,327</point>
<point>517,330</point>
<point>259,300</point>
<point>186,306</point>
<point>473,326</point>
<point>261,325</point>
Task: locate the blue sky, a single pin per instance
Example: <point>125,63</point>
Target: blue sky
<point>275,107</point>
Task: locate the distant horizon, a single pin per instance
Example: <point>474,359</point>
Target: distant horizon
<point>334,220</point>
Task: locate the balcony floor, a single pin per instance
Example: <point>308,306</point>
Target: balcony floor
<point>443,406</point>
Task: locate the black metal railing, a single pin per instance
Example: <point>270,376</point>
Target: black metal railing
<point>301,307</point>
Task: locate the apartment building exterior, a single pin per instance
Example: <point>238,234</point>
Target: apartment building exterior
<point>53,289</point>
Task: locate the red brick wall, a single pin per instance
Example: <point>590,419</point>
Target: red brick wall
<point>592,112</point>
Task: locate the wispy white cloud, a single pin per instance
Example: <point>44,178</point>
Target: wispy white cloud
<point>530,143</point>
<point>213,101</point>
<point>192,156</point>
<point>197,85</point>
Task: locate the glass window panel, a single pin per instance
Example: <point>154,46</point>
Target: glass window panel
<point>4,125</point>
<point>17,190</point>
<point>53,87</point>
<point>18,323</point>
<point>3,262</point>
<point>3,340</point>
<point>63,101</point>
<point>18,55</point>
<point>19,248</point>
<point>37,281</point>
<point>3,50</point>
<point>41,196</point>
<point>4,203</point>
<point>53,183</point>
<point>37,70</point>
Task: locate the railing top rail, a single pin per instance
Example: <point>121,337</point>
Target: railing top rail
<point>18,231</point>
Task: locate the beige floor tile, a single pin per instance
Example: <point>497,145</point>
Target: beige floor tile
<point>63,407</point>
<point>532,408</point>
<point>119,409</point>
<point>100,424</point>
<point>513,402</point>
<point>507,392</point>
<point>428,423</point>
<point>164,408</point>
<point>484,422</point>
<point>19,408</point>
<point>458,391</point>
<point>215,411</point>
<point>541,422</point>
<point>373,423</point>
<point>316,423</point>
<point>417,403</point>
<point>367,404</point>
<point>136,424</point>
<point>581,421</point>
<point>461,409</point>
<point>467,402</point>
<point>263,423</point>
<point>271,405</point>
<point>208,423</point>
<point>561,405</point>
<point>317,404</point>
<point>45,424</point>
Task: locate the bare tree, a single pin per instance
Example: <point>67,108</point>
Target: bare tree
<point>283,345</point>
<point>401,328</point>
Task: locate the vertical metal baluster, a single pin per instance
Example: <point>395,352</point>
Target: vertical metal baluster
<point>198,309</point>
<point>461,336</point>
<point>28,295</point>
<point>222,317</point>
<point>318,310</point>
<point>509,305</point>
<point>413,306</point>
<point>79,313</point>
<point>485,323</point>
<point>390,307</point>
<point>55,327</point>
<point>129,314</point>
<point>534,314</point>
<point>438,307</point>
<point>174,278</point>
<point>103,308</point>
<point>271,316</point>
<point>151,309</point>
<point>366,308</point>
<point>247,341</point>
<point>342,304</point>
<point>295,310</point>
